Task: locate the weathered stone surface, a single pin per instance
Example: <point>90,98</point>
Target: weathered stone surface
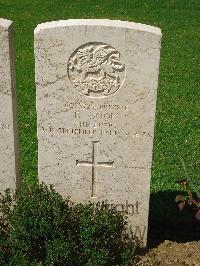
<point>9,168</point>
<point>96,97</point>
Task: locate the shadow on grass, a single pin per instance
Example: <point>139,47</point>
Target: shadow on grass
<point>166,222</point>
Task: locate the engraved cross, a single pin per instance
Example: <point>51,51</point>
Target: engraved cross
<point>94,164</point>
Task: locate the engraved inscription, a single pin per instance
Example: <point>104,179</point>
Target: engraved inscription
<point>78,131</point>
<point>95,69</point>
<point>94,164</point>
<point>5,126</point>
<point>82,105</point>
<point>138,231</point>
<point>127,208</point>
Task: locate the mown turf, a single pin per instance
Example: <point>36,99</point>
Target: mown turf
<point>177,134</point>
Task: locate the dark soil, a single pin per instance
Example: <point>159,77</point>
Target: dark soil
<point>172,244</point>
<point>172,253</point>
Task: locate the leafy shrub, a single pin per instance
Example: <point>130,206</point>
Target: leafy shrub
<point>192,199</point>
<point>39,227</point>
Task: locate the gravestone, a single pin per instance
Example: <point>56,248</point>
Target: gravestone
<point>9,164</point>
<point>96,86</point>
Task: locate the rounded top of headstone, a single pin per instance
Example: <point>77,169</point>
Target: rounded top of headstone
<point>5,23</point>
<point>97,22</point>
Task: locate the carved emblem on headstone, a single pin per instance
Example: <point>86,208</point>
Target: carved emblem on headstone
<point>96,70</point>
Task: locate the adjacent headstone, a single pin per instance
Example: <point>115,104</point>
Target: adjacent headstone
<point>96,98</point>
<point>9,164</point>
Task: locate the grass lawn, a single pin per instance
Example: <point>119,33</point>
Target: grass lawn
<point>177,133</point>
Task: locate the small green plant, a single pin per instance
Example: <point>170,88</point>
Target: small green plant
<point>192,188</point>
<point>39,227</point>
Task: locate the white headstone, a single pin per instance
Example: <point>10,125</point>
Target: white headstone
<point>9,160</point>
<point>96,98</point>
